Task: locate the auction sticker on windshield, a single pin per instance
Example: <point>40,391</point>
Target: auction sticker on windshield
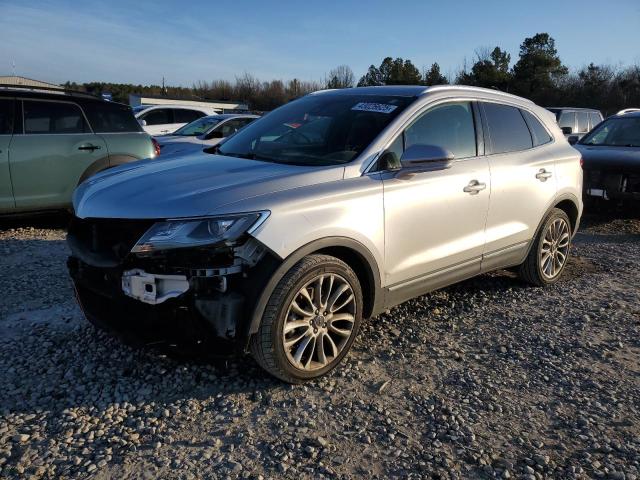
<point>374,107</point>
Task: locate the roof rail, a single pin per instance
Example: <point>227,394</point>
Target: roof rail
<point>34,88</point>
<point>628,110</point>
<point>470,88</point>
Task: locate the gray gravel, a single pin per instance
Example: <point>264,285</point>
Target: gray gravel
<point>486,379</point>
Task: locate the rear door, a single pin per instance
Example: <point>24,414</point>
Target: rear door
<point>49,157</point>
<point>522,179</point>
<point>159,121</point>
<point>126,141</point>
<point>6,129</point>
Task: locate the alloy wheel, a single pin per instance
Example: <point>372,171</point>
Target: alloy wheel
<point>319,322</point>
<point>555,248</point>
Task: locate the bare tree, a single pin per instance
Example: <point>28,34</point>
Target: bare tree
<point>340,77</point>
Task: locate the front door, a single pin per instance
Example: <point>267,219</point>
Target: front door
<point>49,158</point>
<point>435,220</point>
<point>6,127</point>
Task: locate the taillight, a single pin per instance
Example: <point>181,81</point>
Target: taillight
<point>156,146</point>
<point>581,162</point>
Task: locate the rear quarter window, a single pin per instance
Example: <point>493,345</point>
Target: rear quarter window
<point>507,129</point>
<point>111,119</point>
<point>539,133</point>
<point>6,116</point>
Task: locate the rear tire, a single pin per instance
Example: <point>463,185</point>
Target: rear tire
<point>550,251</point>
<point>310,321</point>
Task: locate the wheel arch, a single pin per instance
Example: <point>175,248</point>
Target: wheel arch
<point>105,162</point>
<point>350,251</point>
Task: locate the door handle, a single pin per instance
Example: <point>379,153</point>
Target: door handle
<point>474,187</point>
<point>542,175</point>
<point>89,147</point>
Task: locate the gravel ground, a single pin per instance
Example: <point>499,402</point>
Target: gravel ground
<point>486,379</point>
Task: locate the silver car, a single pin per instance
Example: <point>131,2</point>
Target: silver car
<point>324,212</point>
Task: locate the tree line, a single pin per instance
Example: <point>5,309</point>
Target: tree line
<point>538,73</point>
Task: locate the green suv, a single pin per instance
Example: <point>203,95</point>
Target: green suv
<point>51,142</point>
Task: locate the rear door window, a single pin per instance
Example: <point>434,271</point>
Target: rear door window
<point>583,122</point>
<point>53,118</point>
<point>182,115</point>
<point>507,128</point>
<point>449,126</point>
<point>161,116</point>
<point>595,119</point>
<point>538,132</point>
<point>6,116</point>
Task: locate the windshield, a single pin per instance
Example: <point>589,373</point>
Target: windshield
<point>615,132</point>
<point>197,127</point>
<point>325,129</point>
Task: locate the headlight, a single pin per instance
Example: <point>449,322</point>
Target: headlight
<point>197,232</point>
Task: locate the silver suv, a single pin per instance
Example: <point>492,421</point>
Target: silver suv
<point>326,211</point>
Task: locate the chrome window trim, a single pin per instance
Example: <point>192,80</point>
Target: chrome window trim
<point>533,147</point>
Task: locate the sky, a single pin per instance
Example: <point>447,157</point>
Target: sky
<point>187,41</point>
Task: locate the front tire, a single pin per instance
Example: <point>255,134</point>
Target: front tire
<point>550,251</point>
<point>310,321</point>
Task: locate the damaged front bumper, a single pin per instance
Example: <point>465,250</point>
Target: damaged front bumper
<point>191,300</point>
<point>612,185</point>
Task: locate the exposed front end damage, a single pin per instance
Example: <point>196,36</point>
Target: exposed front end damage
<point>194,300</point>
<point>612,185</point>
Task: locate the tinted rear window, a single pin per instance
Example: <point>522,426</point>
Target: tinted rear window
<point>6,116</point>
<point>507,128</point>
<point>111,118</point>
<point>538,132</point>
<point>186,116</point>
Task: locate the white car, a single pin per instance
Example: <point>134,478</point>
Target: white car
<point>163,119</point>
<point>204,132</point>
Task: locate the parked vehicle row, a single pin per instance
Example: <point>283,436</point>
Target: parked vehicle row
<point>165,119</point>
<point>51,142</point>
<point>326,211</point>
<point>204,132</point>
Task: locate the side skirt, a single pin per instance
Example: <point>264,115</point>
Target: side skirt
<point>503,258</point>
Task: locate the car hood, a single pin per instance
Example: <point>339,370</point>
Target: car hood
<point>610,158</point>
<point>192,185</point>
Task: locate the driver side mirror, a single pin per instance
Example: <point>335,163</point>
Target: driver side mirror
<point>567,130</point>
<point>423,158</point>
<point>143,123</point>
<point>573,139</point>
